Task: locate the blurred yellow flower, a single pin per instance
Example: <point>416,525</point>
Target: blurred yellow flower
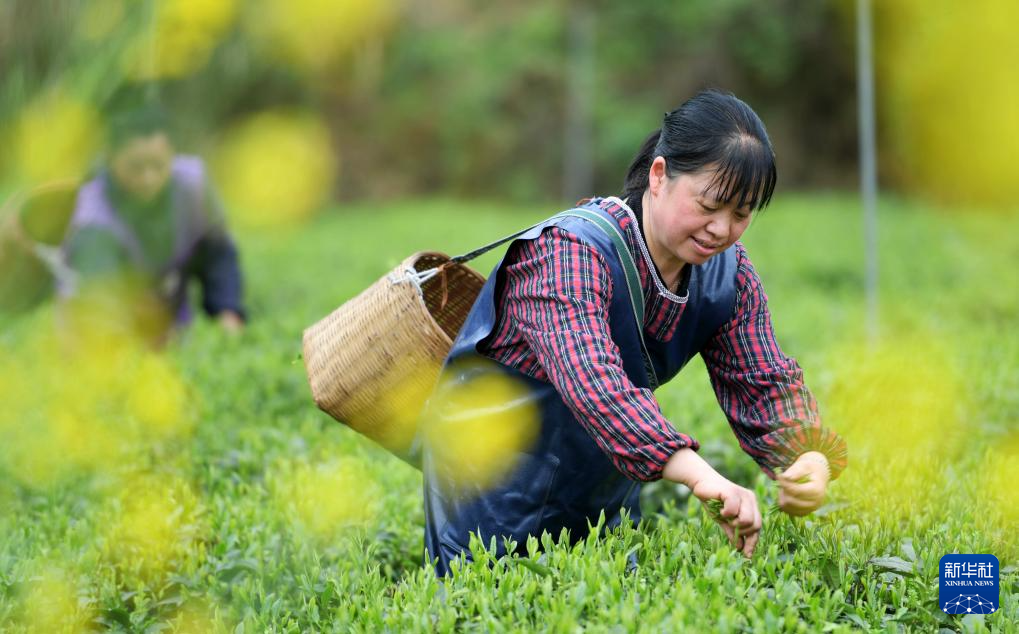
<point>181,40</point>
<point>84,402</point>
<point>56,136</point>
<point>30,457</point>
<point>996,483</point>
<point>50,604</point>
<point>409,384</point>
<point>157,397</point>
<point>315,34</point>
<point>323,499</point>
<point>276,168</point>
<point>155,526</point>
<point>897,404</point>
<point>477,428</point>
<point>113,313</point>
<point>77,442</point>
<point>952,101</point>
<point>197,619</point>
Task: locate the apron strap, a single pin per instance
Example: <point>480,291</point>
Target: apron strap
<point>611,230</point>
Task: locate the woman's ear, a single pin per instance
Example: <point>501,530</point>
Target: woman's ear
<point>656,175</point>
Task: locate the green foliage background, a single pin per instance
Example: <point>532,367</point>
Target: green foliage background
<point>471,98</point>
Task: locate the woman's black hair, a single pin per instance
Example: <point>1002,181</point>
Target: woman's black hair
<point>141,121</point>
<point>711,130</point>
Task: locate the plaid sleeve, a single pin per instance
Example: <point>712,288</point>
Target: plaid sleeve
<point>761,390</point>
<point>556,293</point>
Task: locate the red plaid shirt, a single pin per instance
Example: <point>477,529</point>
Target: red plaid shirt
<point>553,325</point>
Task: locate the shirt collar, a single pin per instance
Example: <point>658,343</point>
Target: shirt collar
<point>650,277</point>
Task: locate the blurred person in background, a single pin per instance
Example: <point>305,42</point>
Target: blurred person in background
<point>150,222</point>
<point>560,316</point>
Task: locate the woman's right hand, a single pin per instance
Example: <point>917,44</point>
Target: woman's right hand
<point>740,517</point>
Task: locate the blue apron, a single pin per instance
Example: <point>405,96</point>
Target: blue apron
<point>564,480</point>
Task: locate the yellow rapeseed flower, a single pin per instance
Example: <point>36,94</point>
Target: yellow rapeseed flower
<point>406,390</point>
<point>84,396</point>
<point>323,499</point>
<point>50,604</point>
<point>276,169</point>
<point>476,429</point>
<point>950,96</point>
<point>155,526</point>
<point>195,618</point>
<point>315,34</point>
<point>996,483</point>
<point>181,40</point>
<point>897,404</point>
<point>56,137</point>
<point>157,398</point>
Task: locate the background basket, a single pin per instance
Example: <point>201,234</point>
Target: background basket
<point>373,361</point>
<point>32,227</point>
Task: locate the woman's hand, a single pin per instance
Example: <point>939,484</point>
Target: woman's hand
<point>802,487</point>
<point>230,321</point>
<point>740,516</point>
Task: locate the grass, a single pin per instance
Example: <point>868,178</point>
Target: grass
<point>233,504</point>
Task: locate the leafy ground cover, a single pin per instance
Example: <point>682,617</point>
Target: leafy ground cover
<point>200,490</point>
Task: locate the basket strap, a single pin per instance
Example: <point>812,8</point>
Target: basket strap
<point>625,259</point>
<point>625,256</point>
<point>632,278</point>
<point>467,257</point>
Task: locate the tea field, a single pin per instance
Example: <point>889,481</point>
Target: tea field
<point>200,490</point>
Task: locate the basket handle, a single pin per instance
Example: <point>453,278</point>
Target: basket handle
<point>420,277</point>
<point>467,257</point>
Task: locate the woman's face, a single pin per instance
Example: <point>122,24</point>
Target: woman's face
<point>684,221</point>
<point>141,166</point>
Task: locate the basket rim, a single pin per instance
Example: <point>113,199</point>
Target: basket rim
<point>447,261</point>
<point>409,261</point>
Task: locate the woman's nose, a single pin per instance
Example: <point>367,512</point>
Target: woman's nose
<point>153,180</point>
<point>718,228</point>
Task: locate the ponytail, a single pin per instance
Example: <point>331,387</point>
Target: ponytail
<point>637,174</point>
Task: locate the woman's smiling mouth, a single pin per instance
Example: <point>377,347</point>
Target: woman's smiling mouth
<point>706,248</point>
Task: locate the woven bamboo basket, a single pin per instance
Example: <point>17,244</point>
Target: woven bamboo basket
<point>373,361</point>
<point>32,226</point>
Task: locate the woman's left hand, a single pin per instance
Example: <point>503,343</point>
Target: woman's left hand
<point>230,321</point>
<point>802,487</point>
